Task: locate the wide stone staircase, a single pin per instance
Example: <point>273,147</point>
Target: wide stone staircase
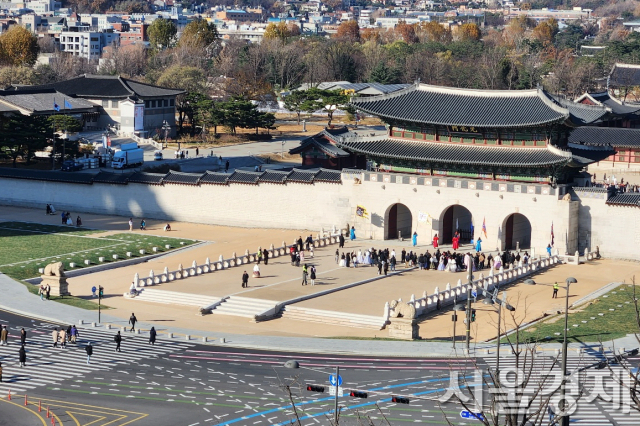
<point>244,306</point>
<point>176,298</point>
<point>345,319</point>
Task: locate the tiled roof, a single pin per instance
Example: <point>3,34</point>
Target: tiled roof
<point>148,178</point>
<point>113,178</point>
<point>626,199</point>
<point>274,176</point>
<point>428,104</point>
<point>182,178</point>
<point>614,136</point>
<point>328,175</point>
<point>215,178</point>
<point>617,106</point>
<point>624,75</point>
<point>437,152</point>
<point>582,114</point>
<point>43,101</point>
<point>321,144</point>
<point>302,176</point>
<point>107,86</point>
<point>241,176</point>
<point>46,175</point>
<point>584,155</point>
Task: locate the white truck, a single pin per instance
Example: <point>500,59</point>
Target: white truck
<point>129,155</point>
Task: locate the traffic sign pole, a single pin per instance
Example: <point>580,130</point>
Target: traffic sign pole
<point>335,417</point>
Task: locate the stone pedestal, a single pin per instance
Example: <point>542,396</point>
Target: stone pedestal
<point>403,328</point>
<point>59,286</point>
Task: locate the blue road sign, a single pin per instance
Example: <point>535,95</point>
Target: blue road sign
<point>470,415</point>
<point>332,380</point>
<point>474,294</point>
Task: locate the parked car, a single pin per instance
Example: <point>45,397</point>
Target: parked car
<point>71,166</point>
<point>157,156</point>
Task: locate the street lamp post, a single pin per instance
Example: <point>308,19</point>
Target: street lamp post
<point>456,308</point>
<point>563,386</point>
<point>165,127</point>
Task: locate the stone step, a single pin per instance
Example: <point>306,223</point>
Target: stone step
<point>244,306</point>
<point>332,317</point>
<point>176,298</point>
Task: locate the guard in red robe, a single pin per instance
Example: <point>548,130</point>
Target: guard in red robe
<point>456,242</point>
<point>435,241</point>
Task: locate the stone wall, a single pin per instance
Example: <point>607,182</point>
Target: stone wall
<point>578,223</point>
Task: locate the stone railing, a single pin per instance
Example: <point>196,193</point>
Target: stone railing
<point>586,256</point>
<point>450,295</point>
<point>327,238</point>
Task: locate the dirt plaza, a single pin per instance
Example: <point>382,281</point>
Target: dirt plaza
<point>281,282</point>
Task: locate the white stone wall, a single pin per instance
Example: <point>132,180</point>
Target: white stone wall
<point>581,222</point>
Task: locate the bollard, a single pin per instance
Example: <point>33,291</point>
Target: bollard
<point>222,340</point>
<point>9,396</point>
<point>39,406</point>
<point>25,400</point>
<point>48,415</point>
<point>137,331</point>
<point>123,329</point>
<point>204,339</point>
<point>53,420</point>
<point>170,335</point>
<point>187,337</point>
<point>93,324</point>
<point>108,326</point>
<point>80,322</point>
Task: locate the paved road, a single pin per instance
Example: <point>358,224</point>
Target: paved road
<point>185,383</point>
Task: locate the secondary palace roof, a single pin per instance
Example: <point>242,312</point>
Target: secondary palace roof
<point>427,104</point>
<point>617,137</point>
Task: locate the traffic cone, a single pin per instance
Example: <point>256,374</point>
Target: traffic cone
<point>53,421</point>
<point>25,399</point>
<point>47,412</point>
<point>9,397</point>
<point>39,406</point>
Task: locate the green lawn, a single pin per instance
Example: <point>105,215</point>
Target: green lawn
<point>27,247</point>
<point>608,317</point>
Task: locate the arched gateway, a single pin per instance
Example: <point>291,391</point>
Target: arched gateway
<point>517,232</point>
<point>456,218</point>
<point>397,219</point>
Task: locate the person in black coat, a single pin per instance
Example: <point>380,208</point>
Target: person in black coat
<point>23,337</point>
<point>89,350</point>
<point>23,356</point>
<point>265,256</point>
<point>152,336</point>
<point>341,239</point>
<point>118,340</point>
<point>245,280</point>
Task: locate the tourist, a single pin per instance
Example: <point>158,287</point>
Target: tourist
<point>62,336</point>
<point>53,209</point>
<point>132,321</point>
<point>259,257</point>
<point>22,355</point>
<point>348,260</point>
<point>74,335</point>
<point>352,234</point>
<point>89,350</point>
<point>63,215</point>
<point>78,221</point>
<point>41,292</point>
<point>343,260</point>
<point>152,336</point>
<point>256,271</point>
<point>380,267</point>
<point>312,275</point>
<point>414,239</point>
<point>305,273</point>
<point>55,337</point>
<point>143,225</point>
<point>549,250</point>
<point>118,339</point>
<point>435,241</point>
<point>226,166</point>
<point>392,263</point>
<point>130,224</point>
<point>245,280</point>
<point>309,242</point>
<point>455,241</point>
<point>299,243</point>
<point>556,287</point>
<point>48,210</point>
<point>385,267</point>
<point>4,334</point>
<point>23,337</point>
<point>341,241</point>
<point>197,151</point>
<point>0,372</point>
<point>311,253</point>
<point>479,245</point>
<point>265,253</point>
<point>300,257</point>
<point>167,227</point>
<point>68,334</point>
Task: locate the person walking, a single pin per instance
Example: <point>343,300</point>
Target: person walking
<point>143,225</point>
<point>226,166</point>
<point>341,240</point>
<point>41,292</point>
<point>68,334</point>
<point>245,280</point>
<point>22,356</point>
<point>4,334</point>
<point>414,239</point>
<point>54,336</point>
<point>23,337</point>
<point>265,255</point>
<point>130,224</point>
<point>63,338</point>
<point>47,290</point>
<point>89,350</point>
<point>312,275</point>
<point>352,233</point>
<point>556,287</point>
<point>74,335</point>
<point>304,274</point>
<point>118,340</point>
<point>152,336</point>
<point>132,321</point>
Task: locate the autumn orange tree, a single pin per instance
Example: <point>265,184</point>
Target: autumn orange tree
<point>469,32</point>
<point>349,31</point>
<point>18,46</point>
<point>435,31</point>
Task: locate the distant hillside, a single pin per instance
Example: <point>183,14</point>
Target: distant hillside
<point>101,6</point>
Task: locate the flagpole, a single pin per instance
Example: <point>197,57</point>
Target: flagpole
<point>64,114</point>
<point>53,138</point>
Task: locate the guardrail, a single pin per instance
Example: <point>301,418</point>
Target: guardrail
<point>447,297</point>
